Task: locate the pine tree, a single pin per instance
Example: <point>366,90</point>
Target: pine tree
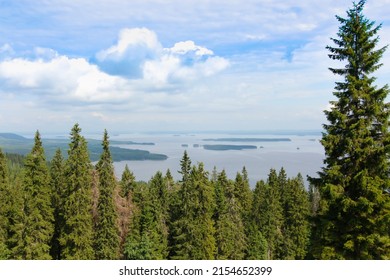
<point>4,193</point>
<point>353,219</point>
<point>77,237</point>
<point>106,229</point>
<point>58,198</point>
<point>35,230</point>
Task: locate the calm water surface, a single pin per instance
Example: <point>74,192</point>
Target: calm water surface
<point>303,154</point>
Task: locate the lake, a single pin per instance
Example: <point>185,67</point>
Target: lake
<point>303,154</point>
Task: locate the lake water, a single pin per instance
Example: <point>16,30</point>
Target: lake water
<point>303,154</point>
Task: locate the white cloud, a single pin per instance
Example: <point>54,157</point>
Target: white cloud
<point>189,46</point>
<point>139,55</point>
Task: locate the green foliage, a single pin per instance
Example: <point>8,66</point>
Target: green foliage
<point>106,228</point>
<point>268,214</point>
<point>230,231</point>
<point>296,227</point>
<point>77,236</point>
<point>352,221</point>
<point>58,199</point>
<point>35,229</point>
<point>127,182</point>
<point>148,236</point>
<point>193,228</point>
<point>4,224</point>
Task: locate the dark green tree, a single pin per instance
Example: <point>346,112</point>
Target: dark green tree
<point>124,204</point>
<point>4,193</point>
<point>244,196</point>
<point>58,189</point>
<point>296,225</point>
<point>353,219</point>
<point>257,248</point>
<point>35,230</point>
<point>77,237</point>
<point>193,228</point>
<point>127,182</point>
<point>147,237</point>
<point>106,228</point>
<point>270,214</point>
<point>230,231</point>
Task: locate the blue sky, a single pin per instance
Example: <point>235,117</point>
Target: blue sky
<point>170,65</point>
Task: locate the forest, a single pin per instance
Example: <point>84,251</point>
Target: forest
<point>70,209</point>
<point>67,208</point>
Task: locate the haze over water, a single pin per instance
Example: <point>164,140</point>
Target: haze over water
<point>302,154</point>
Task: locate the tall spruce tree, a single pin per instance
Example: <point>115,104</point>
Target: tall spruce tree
<point>147,237</point>
<point>192,227</point>
<point>57,183</point>
<point>270,214</point>
<point>257,248</point>
<point>353,221</point>
<point>296,226</point>
<point>36,226</point>
<point>106,229</point>
<point>4,193</point>
<point>77,237</point>
<point>230,231</point>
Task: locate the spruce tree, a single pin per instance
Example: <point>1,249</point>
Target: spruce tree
<point>270,214</point>
<point>147,238</point>
<point>35,230</point>
<point>4,193</point>
<point>353,219</point>
<point>127,182</point>
<point>192,227</point>
<point>124,204</point>
<point>257,248</point>
<point>57,183</point>
<point>296,226</point>
<point>106,229</point>
<point>230,231</point>
<point>77,237</point>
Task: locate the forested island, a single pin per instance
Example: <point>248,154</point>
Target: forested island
<point>13,143</point>
<point>248,139</point>
<point>220,147</point>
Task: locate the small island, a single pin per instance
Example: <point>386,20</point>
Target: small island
<point>228,147</point>
<point>248,139</point>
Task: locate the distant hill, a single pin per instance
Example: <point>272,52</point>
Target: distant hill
<point>16,144</point>
<point>11,136</point>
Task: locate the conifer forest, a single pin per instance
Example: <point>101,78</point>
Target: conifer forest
<point>70,209</point>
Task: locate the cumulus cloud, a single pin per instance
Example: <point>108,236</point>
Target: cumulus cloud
<point>138,54</point>
<point>61,78</point>
<point>136,65</point>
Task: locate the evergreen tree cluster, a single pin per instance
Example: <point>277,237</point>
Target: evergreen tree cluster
<point>70,209</point>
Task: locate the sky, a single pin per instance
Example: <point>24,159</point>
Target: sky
<point>171,65</point>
